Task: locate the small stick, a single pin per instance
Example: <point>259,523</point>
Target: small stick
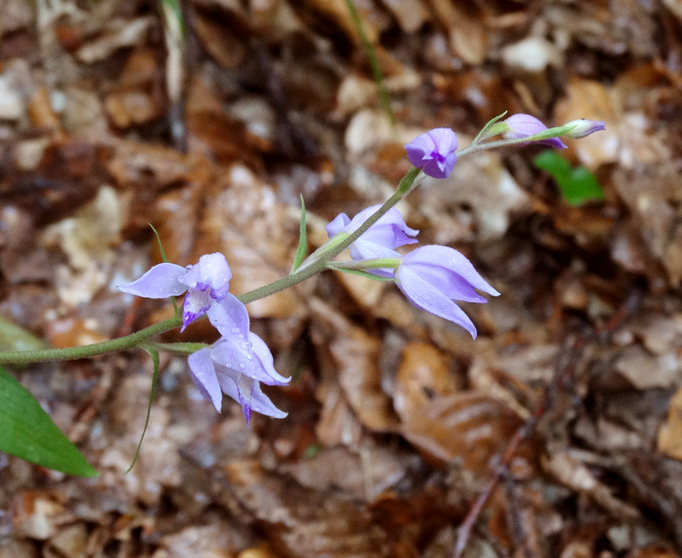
<point>562,373</point>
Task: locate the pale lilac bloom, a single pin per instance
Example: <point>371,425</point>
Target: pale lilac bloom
<point>380,240</point>
<point>434,277</point>
<point>583,127</point>
<point>435,152</point>
<point>235,365</point>
<point>206,284</point>
<point>524,125</point>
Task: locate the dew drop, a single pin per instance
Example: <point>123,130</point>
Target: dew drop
<point>235,330</point>
<point>242,365</point>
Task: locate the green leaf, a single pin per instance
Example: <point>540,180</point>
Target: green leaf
<point>373,60</point>
<point>155,376</point>
<point>164,258</point>
<point>28,432</point>
<point>15,338</point>
<point>578,185</point>
<point>487,128</point>
<point>172,9</point>
<point>302,241</point>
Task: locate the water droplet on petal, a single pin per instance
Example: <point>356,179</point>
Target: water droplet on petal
<point>235,330</point>
<point>242,365</point>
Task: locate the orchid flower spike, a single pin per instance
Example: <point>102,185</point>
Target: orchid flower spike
<point>521,126</point>
<point>236,365</point>
<point>380,240</point>
<point>206,284</point>
<point>435,152</point>
<point>434,277</point>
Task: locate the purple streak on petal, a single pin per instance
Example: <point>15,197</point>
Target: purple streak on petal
<point>262,352</point>
<point>435,152</point>
<point>161,281</point>
<point>338,225</point>
<point>259,401</point>
<point>428,298</point>
<point>449,258</point>
<point>204,376</point>
<point>195,305</point>
<point>230,318</point>
<point>212,270</point>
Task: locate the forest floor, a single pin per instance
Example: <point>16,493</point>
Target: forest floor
<point>566,411</point>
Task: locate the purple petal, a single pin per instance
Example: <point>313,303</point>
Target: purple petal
<point>230,318</point>
<point>204,376</point>
<point>212,270</point>
<point>435,152</point>
<point>428,298</point>
<point>338,225</point>
<point>246,358</point>
<point>262,352</point>
<point>248,394</point>
<point>161,281</point>
<point>449,258</point>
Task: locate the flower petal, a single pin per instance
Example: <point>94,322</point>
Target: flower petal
<point>196,302</point>
<point>338,225</point>
<point>230,318</point>
<point>262,352</point>
<point>428,298</point>
<point>161,281</point>
<point>248,394</point>
<point>252,359</point>
<point>204,376</point>
<point>212,270</point>
<point>443,256</point>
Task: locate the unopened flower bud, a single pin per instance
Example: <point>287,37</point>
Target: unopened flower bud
<point>583,127</point>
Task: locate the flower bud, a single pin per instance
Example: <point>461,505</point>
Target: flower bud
<point>521,126</point>
<point>583,127</point>
<point>434,152</point>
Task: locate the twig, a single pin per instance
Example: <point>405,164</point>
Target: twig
<point>563,372</point>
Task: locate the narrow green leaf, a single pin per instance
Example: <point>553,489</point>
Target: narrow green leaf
<point>155,376</point>
<point>373,59</point>
<point>172,9</point>
<point>164,258</point>
<point>578,185</point>
<point>15,338</point>
<point>487,128</point>
<point>28,432</point>
<point>302,241</point>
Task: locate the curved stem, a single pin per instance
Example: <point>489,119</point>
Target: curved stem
<point>135,339</point>
<point>96,349</point>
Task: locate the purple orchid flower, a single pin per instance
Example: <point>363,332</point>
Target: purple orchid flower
<point>380,240</point>
<point>435,152</point>
<point>206,284</point>
<point>521,126</point>
<point>434,277</point>
<point>236,365</point>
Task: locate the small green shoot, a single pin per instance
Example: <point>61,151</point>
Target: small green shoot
<point>155,376</point>
<point>377,74</point>
<point>302,241</point>
<point>578,185</point>
<point>164,258</point>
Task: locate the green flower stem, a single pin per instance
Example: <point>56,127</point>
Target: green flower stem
<point>137,338</point>
<point>96,349</point>
<point>176,348</point>
<point>377,263</point>
<point>544,135</point>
